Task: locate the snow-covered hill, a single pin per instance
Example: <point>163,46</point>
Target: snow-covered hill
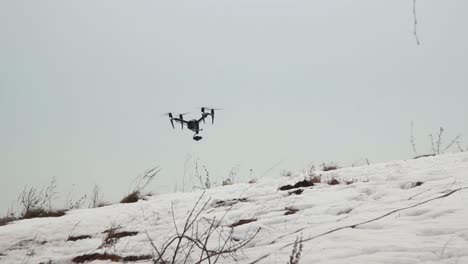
<point>411,211</point>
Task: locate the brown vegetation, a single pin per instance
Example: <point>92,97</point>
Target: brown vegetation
<point>303,183</point>
<point>229,202</point>
<point>290,210</point>
<point>329,167</point>
<point>75,238</point>
<point>132,197</point>
<point>40,212</point>
<point>97,256</point>
<point>242,222</point>
<point>296,192</point>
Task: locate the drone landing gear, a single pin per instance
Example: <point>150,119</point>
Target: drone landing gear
<point>197,137</point>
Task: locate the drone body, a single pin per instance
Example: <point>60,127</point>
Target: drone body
<point>194,124</point>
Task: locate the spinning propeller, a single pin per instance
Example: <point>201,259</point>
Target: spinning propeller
<point>211,113</point>
<point>171,118</point>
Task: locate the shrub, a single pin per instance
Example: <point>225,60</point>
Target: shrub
<point>316,179</point>
<point>40,212</point>
<point>132,197</point>
<point>200,240</point>
<point>7,219</point>
<point>33,202</point>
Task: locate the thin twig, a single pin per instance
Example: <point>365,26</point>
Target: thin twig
<point>415,26</point>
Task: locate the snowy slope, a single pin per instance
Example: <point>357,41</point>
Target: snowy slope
<point>383,217</point>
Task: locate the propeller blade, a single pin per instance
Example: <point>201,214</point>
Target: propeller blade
<point>172,120</point>
<point>210,108</point>
<point>169,114</point>
<point>212,116</point>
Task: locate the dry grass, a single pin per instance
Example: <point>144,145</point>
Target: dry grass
<point>132,197</point>
<point>75,238</point>
<point>296,192</point>
<point>303,183</point>
<point>111,257</point>
<point>7,219</point>
<point>39,212</point>
<point>290,210</point>
<point>97,256</point>
<point>329,167</point>
<point>316,179</point>
<point>137,258</point>
<point>230,202</point>
<point>242,222</point>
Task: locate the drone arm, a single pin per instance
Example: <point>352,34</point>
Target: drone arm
<point>204,115</point>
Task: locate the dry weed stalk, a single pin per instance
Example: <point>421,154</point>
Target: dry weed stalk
<point>200,240</point>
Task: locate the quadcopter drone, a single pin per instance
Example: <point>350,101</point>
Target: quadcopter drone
<point>193,124</point>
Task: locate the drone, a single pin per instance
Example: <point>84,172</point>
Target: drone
<point>193,124</point>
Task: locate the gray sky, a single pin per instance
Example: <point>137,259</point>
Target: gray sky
<point>83,85</point>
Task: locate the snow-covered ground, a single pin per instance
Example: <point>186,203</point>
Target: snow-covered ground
<point>385,216</point>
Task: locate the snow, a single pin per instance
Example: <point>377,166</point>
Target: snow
<point>336,222</point>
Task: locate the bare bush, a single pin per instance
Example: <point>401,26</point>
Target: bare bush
<point>437,145</point>
<point>38,203</point>
<point>31,198</point>
<point>199,240</point>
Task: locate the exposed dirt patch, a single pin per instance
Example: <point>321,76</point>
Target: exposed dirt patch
<point>137,258</point>
<point>75,238</point>
<point>242,222</point>
<point>229,202</point>
<point>118,235</point>
<point>131,198</point>
<point>97,256</point>
<point>303,183</point>
<point>424,156</point>
<point>111,257</point>
<point>290,210</point>
<point>296,192</point>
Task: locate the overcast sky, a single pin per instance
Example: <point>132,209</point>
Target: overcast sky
<point>83,85</point>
